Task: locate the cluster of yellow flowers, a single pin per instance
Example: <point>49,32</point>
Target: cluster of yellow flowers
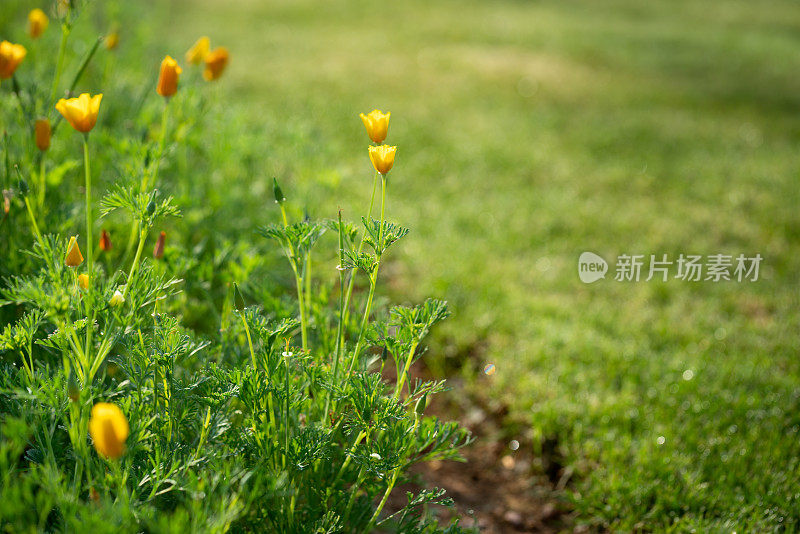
<point>108,425</point>
<point>377,124</point>
<point>215,60</point>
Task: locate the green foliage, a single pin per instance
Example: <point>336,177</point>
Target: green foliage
<point>242,414</point>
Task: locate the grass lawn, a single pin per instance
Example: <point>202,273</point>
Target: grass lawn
<point>530,132</point>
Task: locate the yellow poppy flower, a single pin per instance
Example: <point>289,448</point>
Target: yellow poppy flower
<point>81,112</point>
<point>216,61</point>
<point>382,157</point>
<point>42,134</point>
<point>74,256</point>
<point>199,50</point>
<point>109,430</point>
<point>11,55</point>
<point>168,77</point>
<point>377,124</point>
<point>37,23</point>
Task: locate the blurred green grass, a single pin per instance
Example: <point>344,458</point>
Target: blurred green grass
<point>529,132</point>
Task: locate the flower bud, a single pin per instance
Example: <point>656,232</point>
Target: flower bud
<point>105,241</point>
<point>83,281</point>
<point>279,198</point>
<point>42,131</point>
<point>158,250</point>
<point>74,256</point>
<point>151,207</point>
<point>215,61</point>
<point>168,77</point>
<point>422,402</point>
<point>23,187</point>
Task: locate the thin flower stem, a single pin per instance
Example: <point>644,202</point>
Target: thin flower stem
<point>136,261</point>
<point>404,374</point>
<point>35,226</point>
<point>89,245</point>
<point>249,341</point>
<point>42,182</point>
<point>65,29</point>
<point>360,248</point>
<point>340,327</point>
<point>373,279</point>
<point>299,282</point>
<point>301,303</point>
<point>389,488</point>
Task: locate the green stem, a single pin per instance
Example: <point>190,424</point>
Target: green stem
<point>89,246</point>
<point>340,327</point>
<point>373,278</point>
<point>378,510</point>
<point>249,341</point>
<point>136,261</point>
<point>65,29</point>
<point>301,303</point>
<point>360,248</point>
<point>404,374</point>
<point>35,226</point>
<point>42,182</point>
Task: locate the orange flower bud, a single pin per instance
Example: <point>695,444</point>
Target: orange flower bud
<point>74,256</point>
<point>382,157</point>
<point>377,124</point>
<point>198,52</point>
<point>37,23</point>
<point>158,251</point>
<point>11,55</point>
<point>105,241</point>
<point>112,41</point>
<point>6,201</point>
<point>83,281</point>
<point>168,78</point>
<point>41,130</point>
<point>109,429</point>
<point>80,112</point>
<point>216,61</point>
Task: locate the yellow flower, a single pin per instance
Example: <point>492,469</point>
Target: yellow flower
<point>382,157</point>
<point>199,50</point>
<point>112,41</point>
<point>81,112</point>
<point>83,281</point>
<point>116,299</point>
<point>11,55</point>
<point>216,61</point>
<point>377,124</point>
<point>37,23</point>
<point>109,430</point>
<point>74,256</point>
<point>41,130</point>
<point>168,78</point>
